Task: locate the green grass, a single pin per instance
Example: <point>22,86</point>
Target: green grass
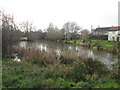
<point>75,41</point>
<point>103,43</point>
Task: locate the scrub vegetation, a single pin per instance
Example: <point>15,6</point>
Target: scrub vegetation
<point>47,70</point>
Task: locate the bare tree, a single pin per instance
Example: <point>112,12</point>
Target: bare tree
<point>70,29</point>
<point>10,33</point>
<point>28,29</point>
<point>85,34</point>
<point>50,27</point>
<point>26,26</point>
<point>53,33</point>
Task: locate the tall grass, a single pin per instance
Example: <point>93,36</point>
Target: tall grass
<point>49,70</point>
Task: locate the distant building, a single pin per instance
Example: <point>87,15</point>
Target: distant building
<point>101,31</point>
<point>114,34</point>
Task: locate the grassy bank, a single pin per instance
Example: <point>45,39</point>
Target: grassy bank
<point>47,70</point>
<point>97,44</point>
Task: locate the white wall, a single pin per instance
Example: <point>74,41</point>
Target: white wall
<point>114,34</point>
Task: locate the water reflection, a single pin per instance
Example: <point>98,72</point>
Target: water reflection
<point>104,57</point>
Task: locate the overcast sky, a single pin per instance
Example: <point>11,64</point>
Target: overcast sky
<point>85,13</point>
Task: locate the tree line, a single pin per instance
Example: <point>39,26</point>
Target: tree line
<point>11,32</point>
<point>69,31</point>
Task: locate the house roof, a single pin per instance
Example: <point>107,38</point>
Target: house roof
<point>114,28</point>
<point>102,29</point>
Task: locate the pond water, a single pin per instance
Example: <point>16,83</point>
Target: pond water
<point>105,57</point>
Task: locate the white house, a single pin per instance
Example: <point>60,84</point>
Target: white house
<point>114,34</point>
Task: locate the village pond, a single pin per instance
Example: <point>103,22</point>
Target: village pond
<point>105,57</point>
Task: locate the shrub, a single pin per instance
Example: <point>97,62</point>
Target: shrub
<point>90,67</point>
<point>94,66</point>
<point>39,61</point>
<point>65,60</point>
<point>65,84</point>
<point>115,72</point>
<point>108,84</point>
<point>82,84</point>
